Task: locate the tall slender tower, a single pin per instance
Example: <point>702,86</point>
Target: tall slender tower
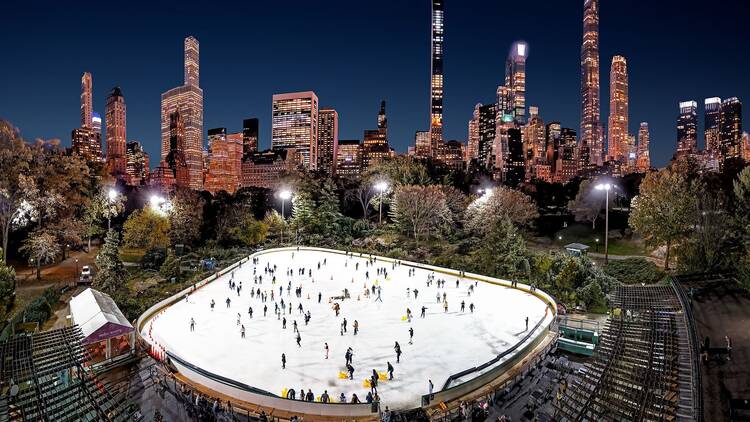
<point>712,107</point>
<point>114,117</point>
<point>687,128</point>
<point>87,110</point>
<point>591,143</point>
<point>188,100</point>
<point>436,79</point>
<point>618,110</point>
<point>643,160</point>
<point>515,80</point>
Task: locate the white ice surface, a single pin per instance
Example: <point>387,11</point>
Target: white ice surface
<point>444,343</point>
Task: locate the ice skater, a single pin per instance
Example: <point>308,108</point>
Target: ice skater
<point>299,340</point>
<point>471,307</point>
<point>283,323</point>
<point>463,306</point>
<point>390,371</point>
<point>397,348</point>
<point>411,335</point>
<point>250,311</point>
<point>445,305</point>
<point>350,369</point>
<point>356,327</point>
<point>238,318</point>
<point>213,303</point>
<point>343,325</point>
<point>527,324</point>
<point>430,386</point>
<point>424,310</point>
<point>242,331</point>
<point>192,324</point>
<point>378,299</point>
<point>326,349</point>
<point>283,366</point>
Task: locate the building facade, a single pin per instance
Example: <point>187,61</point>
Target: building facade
<point>137,166</point>
<point>349,158</point>
<point>328,140</point>
<point>264,169</point>
<point>224,164</point>
<point>249,136</point>
<point>643,156</point>
<point>114,116</point>
<point>295,126</point>
<point>730,129</point>
<point>515,80</point>
<point>436,77</point>
<point>87,104</point>
<point>591,146</point>
<point>472,145</point>
<point>188,100</point>
<point>687,128</point>
<point>375,143</point>
<point>617,136</point>
<point>711,131</point>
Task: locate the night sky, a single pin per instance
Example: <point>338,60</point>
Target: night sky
<point>355,53</point>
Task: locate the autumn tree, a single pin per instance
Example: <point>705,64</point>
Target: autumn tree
<point>14,162</point>
<point>497,205</point>
<point>420,210</point>
<point>588,203</point>
<point>41,248</point>
<point>664,210</point>
<point>146,229</point>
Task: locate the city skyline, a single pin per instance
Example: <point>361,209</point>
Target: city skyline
<point>408,111</point>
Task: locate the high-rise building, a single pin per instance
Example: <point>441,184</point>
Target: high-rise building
<point>730,129</point>
<point>552,139</point>
<point>188,100</point>
<point>114,116</point>
<point>515,165</point>
<point>643,158</point>
<point>375,143</point>
<point>452,155</point>
<point>87,105</point>
<point>249,136</point>
<point>567,162</point>
<point>591,147</point>
<point>175,159</point>
<point>712,108</point>
<point>86,143</point>
<point>687,128</point>
<point>224,166</point>
<point>137,165</point>
<point>328,140</point>
<point>534,138</point>
<point>349,158</point>
<point>422,143</point>
<point>472,147</point>
<point>295,126</point>
<point>487,131</point>
<point>515,80</point>
<point>264,169</point>
<point>745,146</point>
<point>162,178</point>
<point>618,110</point>
<point>436,78</point>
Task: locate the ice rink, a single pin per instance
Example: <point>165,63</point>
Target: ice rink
<point>444,342</point>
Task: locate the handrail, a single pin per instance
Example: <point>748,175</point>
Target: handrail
<point>695,357</point>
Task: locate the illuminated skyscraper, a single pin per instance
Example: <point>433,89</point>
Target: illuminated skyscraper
<point>86,101</point>
<point>618,110</point>
<point>687,128</point>
<point>473,136</point>
<point>515,80</point>
<point>294,125</point>
<point>176,157</point>
<point>436,78</point>
<point>349,158</point>
<point>375,143</point>
<point>328,140</point>
<point>534,142</point>
<point>591,147</point>
<point>188,100</point>
<point>114,116</point>
<point>712,107</point>
<point>487,131</point>
<point>249,136</point>
<point>422,143</point>
<point>137,165</point>
<point>515,165</point>
<point>730,124</point>
<point>643,157</point>
<point>224,167</point>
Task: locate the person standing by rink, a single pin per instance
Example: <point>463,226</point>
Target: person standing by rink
<point>431,386</point>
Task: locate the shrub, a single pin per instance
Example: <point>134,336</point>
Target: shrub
<point>634,271</point>
<point>153,258</point>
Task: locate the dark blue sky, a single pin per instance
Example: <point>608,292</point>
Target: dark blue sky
<point>355,53</point>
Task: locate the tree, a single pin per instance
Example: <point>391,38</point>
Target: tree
<point>741,190</point>
<point>111,274</point>
<point>14,161</point>
<point>420,210</point>
<point>497,205</point>
<point>7,287</point>
<point>102,207</point>
<point>146,229</point>
<point>186,217</point>
<point>664,210</point>
<point>362,193</point>
<point>502,252</point>
<point>171,266</point>
<point>588,203</point>
<point>400,170</point>
<point>41,248</point>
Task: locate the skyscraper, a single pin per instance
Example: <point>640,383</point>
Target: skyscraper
<point>249,136</point>
<point>349,158</point>
<point>712,107</point>
<point>294,125</point>
<point>515,165</point>
<point>137,164</point>
<point>618,110</point>
<point>328,140</point>
<point>86,101</point>
<point>487,131</point>
<point>643,158</point>
<point>114,116</point>
<point>591,146</point>
<point>375,143</point>
<point>730,129</point>
<point>436,78</point>
<point>515,80</point>
<point>422,143</point>
<point>687,128</point>
<point>472,146</point>
<point>188,100</point>
<point>176,157</point>
<point>534,142</point>
<point>224,167</point>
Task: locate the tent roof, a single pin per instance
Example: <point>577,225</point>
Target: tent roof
<point>92,310</point>
<point>577,246</point>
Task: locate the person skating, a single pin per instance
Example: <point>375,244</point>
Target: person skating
<point>242,331</point>
<point>295,326</point>
<point>320,297</point>
<point>213,303</point>
<point>527,323</point>
<point>350,369</point>
<point>445,305</point>
<point>390,371</point>
<point>324,397</point>
<point>356,327</point>
<point>463,305</point>
<point>437,298</point>
<point>471,308</point>
<point>291,394</point>
<point>192,324</point>
<point>238,318</point>
<point>265,309</point>
<point>299,340</point>
<point>283,361</point>
<point>369,398</point>
<point>411,335</point>
<point>431,386</point>
<point>424,309</point>
<point>374,381</point>
<point>326,349</point>
<point>283,323</point>
<point>416,293</point>
<point>397,348</point>
<point>343,324</point>
<point>228,302</point>
<point>349,355</point>
<point>250,311</point>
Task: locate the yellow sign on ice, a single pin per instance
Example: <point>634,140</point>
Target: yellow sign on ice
<point>283,393</point>
<point>343,375</point>
<point>366,384</point>
<point>383,376</point>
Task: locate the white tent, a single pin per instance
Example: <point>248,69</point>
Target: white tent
<point>100,320</point>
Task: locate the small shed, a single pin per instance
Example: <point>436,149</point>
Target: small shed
<point>577,249</point>
<point>108,335</point>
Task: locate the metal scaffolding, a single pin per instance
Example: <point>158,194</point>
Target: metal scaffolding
<point>642,368</point>
<point>42,378</point>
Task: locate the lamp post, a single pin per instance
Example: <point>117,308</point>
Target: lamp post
<point>284,195</point>
<point>606,187</point>
<point>382,187</point>
<point>112,194</point>
<point>74,278</point>
<point>597,245</point>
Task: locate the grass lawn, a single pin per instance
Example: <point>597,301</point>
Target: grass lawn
<point>132,254</point>
<point>582,233</point>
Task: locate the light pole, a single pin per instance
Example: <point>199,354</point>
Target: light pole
<point>74,278</point>
<point>160,204</point>
<point>284,195</point>
<point>112,194</point>
<point>606,187</point>
<point>382,187</point>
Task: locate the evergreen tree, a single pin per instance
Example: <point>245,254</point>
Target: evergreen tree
<point>502,252</point>
<point>171,266</point>
<point>111,274</point>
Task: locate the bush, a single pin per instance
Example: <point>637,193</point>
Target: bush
<point>634,271</point>
<point>153,258</point>
<point>171,267</point>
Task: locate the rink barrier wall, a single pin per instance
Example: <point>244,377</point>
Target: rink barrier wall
<point>313,408</point>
